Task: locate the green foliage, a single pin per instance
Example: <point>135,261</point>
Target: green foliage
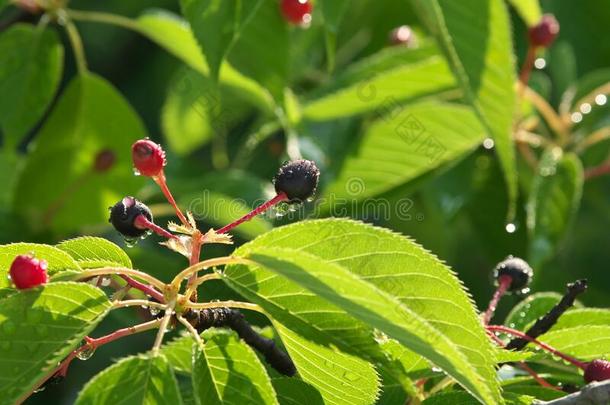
<point>90,252</point>
<point>39,328</point>
<point>555,197</point>
<point>368,316</point>
<point>228,371</point>
<point>482,60</point>
<point>143,379</point>
<point>92,117</point>
<point>31,62</point>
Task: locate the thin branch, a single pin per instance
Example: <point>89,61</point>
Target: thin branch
<point>149,290</point>
<point>193,287</point>
<point>77,46</point>
<point>546,322</point>
<point>206,264</point>
<point>163,326</point>
<point>120,271</point>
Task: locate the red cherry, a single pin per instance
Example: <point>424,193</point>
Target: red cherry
<point>27,272</point>
<point>297,11</point>
<point>544,33</point>
<point>597,370</point>
<point>148,157</point>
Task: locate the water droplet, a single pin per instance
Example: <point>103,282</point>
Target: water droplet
<point>9,327</point>
<point>601,99</point>
<point>145,307</point>
<point>154,311</point>
<point>436,369</point>
<point>146,234</point>
<point>131,242</point>
<point>511,228</point>
<point>576,117</point>
<point>106,281</point>
<point>522,314</point>
<point>85,354</point>
<point>39,389</point>
<point>511,325</point>
<point>310,199</point>
<point>488,143</point>
<point>136,172</point>
<point>585,108</point>
<point>540,63</point>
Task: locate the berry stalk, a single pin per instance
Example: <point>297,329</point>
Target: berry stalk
<point>160,180</point>
<point>143,223</point>
<point>542,345</point>
<point>504,283</point>
<point>258,210</point>
<point>146,289</point>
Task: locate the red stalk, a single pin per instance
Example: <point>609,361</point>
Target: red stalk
<point>503,285</point>
<point>258,210</point>
<point>141,222</point>
<point>146,289</point>
<point>160,180</point>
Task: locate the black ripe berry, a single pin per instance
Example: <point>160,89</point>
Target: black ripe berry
<point>518,270</point>
<point>597,370</point>
<point>297,179</point>
<point>123,215</point>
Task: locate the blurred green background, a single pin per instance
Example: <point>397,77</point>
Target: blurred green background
<point>458,212</point>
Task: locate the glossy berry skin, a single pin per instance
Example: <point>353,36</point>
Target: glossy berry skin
<point>518,270</point>
<point>27,272</point>
<point>297,11</point>
<point>123,215</point>
<point>544,33</point>
<point>148,157</point>
<point>297,179</point>
<point>597,370</point>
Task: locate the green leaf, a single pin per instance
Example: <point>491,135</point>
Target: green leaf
<point>536,391</point>
<point>380,93</point>
<point>583,342</point>
<point>553,203</point>
<point>174,35</point>
<point>31,62</point>
<point>178,353</point>
<point>59,186</point>
<point>397,266</point>
<point>530,309</point>
<point>40,327</point>
<point>340,378</point>
<point>263,49</point>
<point>369,304</point>
<point>142,379</point>
<point>481,55</point>
<point>217,24</point>
<point>529,10</point>
<point>509,356</point>
<point>57,259</point>
<point>291,391</point>
<point>462,398</point>
<point>404,145</point>
<point>583,317</point>
<point>312,330</point>
<point>332,11</point>
<point>188,112</point>
<point>228,371</point>
<point>90,252</point>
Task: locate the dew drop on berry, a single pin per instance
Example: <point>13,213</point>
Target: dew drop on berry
<point>131,242</point>
<point>136,172</point>
<point>85,354</point>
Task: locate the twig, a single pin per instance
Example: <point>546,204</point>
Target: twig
<point>133,303</point>
<point>552,350</point>
<point>596,393</point>
<point>206,264</point>
<point>597,136</point>
<point>546,322</point>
